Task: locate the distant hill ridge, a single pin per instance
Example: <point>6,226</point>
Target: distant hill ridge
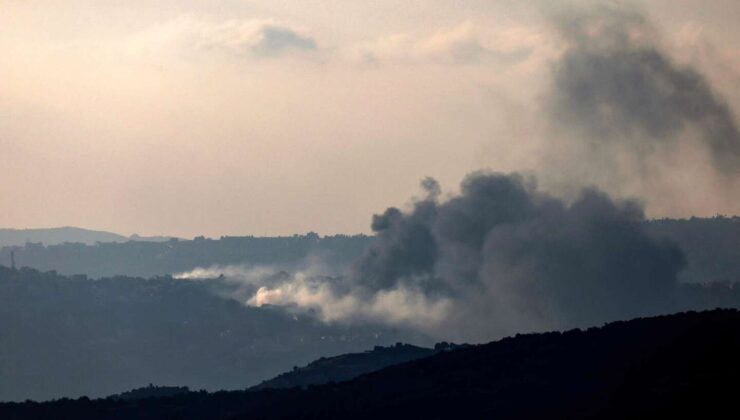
<point>149,259</point>
<point>150,391</point>
<point>55,236</point>
<point>67,234</point>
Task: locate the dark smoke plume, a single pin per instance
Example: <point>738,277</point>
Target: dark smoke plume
<point>504,256</point>
<point>498,258</point>
<point>614,84</point>
<point>513,258</point>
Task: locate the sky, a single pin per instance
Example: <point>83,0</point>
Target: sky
<point>273,117</point>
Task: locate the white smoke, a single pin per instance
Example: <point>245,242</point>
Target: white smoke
<point>399,306</point>
<point>324,297</point>
<point>238,273</point>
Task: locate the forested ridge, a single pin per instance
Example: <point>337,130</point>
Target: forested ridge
<point>711,247</point>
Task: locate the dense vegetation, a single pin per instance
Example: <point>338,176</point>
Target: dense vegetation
<point>682,365</point>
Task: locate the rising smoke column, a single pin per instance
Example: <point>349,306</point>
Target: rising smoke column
<point>514,258</point>
<point>504,256</point>
<point>500,257</point>
<point>616,84</point>
<point>627,117</point>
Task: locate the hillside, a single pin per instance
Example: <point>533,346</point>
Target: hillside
<point>347,366</point>
<point>69,336</point>
<point>679,365</point>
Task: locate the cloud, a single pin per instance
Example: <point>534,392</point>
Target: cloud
<point>463,44</point>
<point>277,39</point>
<point>620,113</point>
<point>616,87</point>
<point>236,37</point>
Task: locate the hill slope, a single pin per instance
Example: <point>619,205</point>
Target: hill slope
<point>680,365</point>
<point>70,336</point>
<point>346,366</point>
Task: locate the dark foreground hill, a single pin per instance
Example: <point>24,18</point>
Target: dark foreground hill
<point>150,391</point>
<point>683,365</point>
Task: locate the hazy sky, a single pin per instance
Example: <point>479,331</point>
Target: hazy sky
<point>280,117</point>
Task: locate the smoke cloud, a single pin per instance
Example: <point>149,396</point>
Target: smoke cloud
<point>632,120</point>
<point>500,257</point>
<point>515,258</point>
<point>329,299</point>
<point>615,84</point>
<point>504,255</point>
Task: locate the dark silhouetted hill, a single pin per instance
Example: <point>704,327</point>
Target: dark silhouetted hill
<point>678,366</point>
<point>150,391</point>
<point>346,366</point>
